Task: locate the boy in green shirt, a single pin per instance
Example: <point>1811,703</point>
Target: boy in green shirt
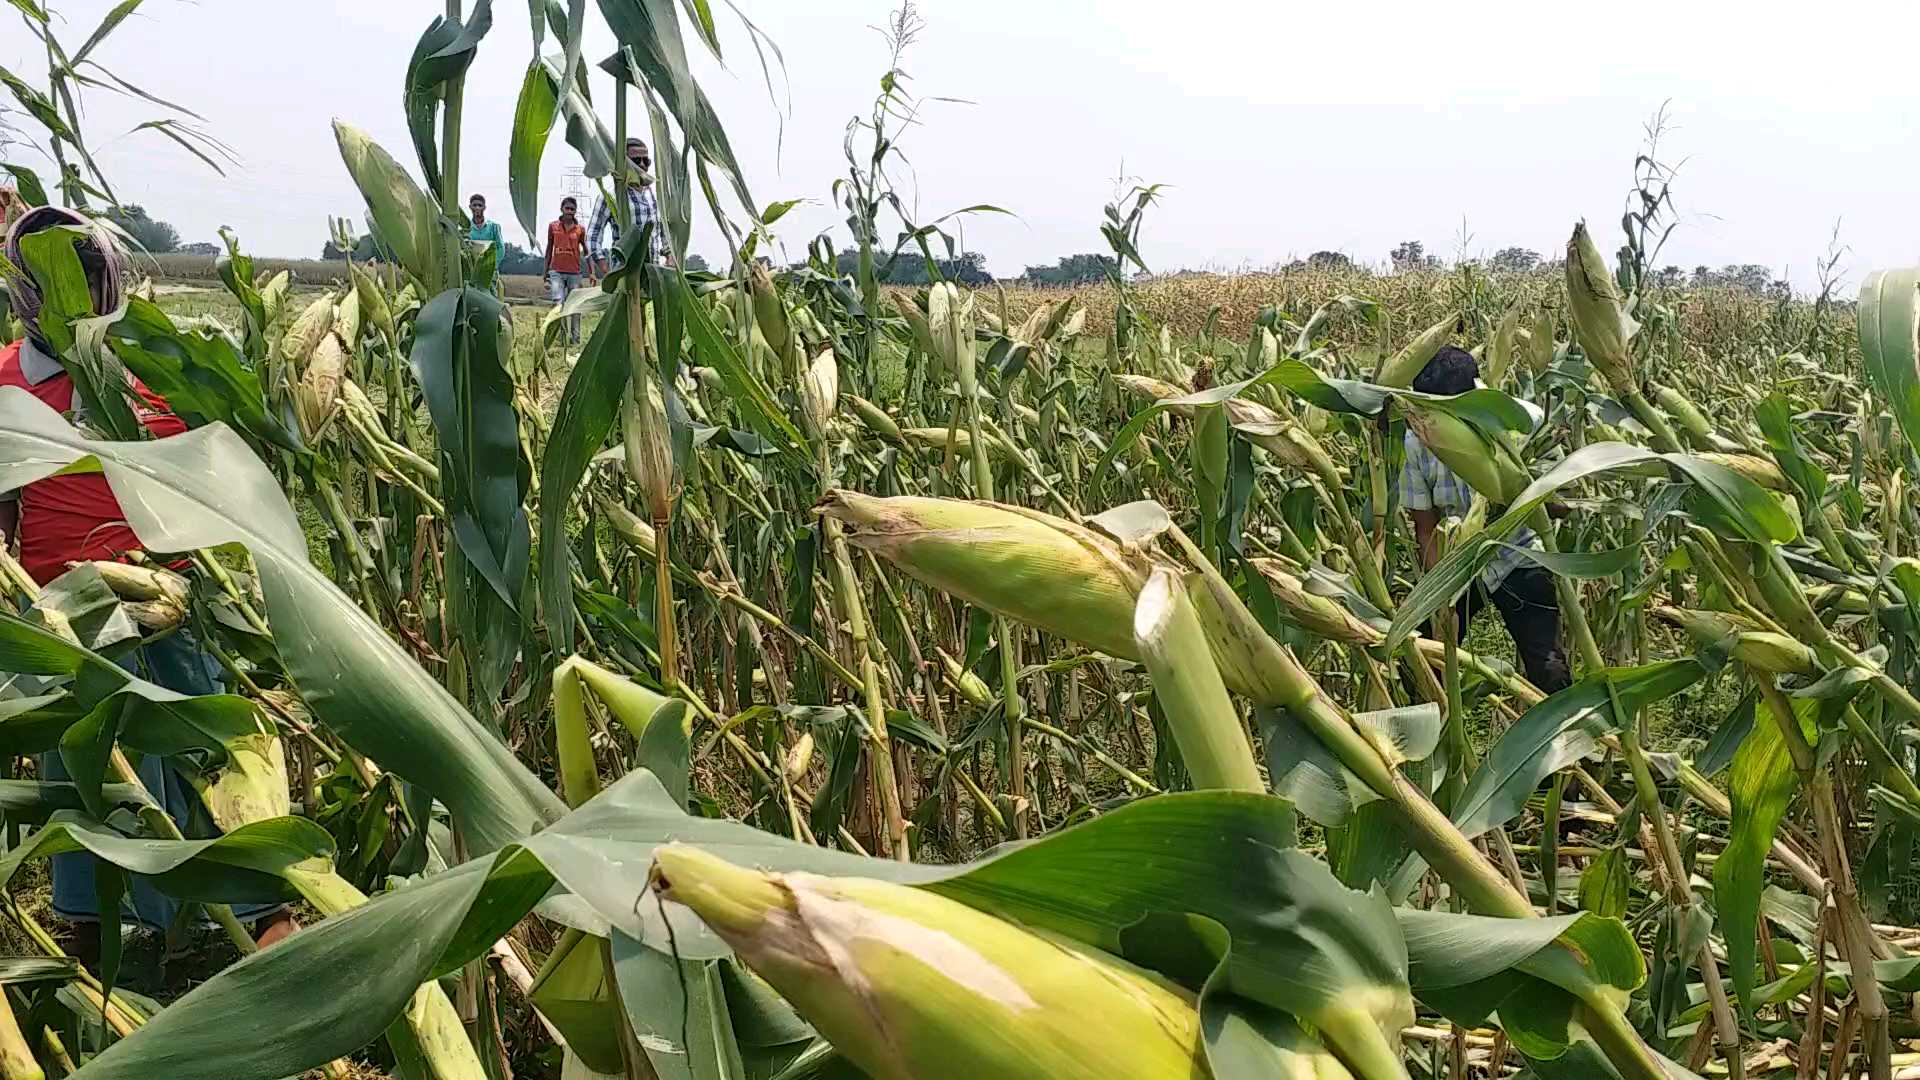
<point>484,231</point>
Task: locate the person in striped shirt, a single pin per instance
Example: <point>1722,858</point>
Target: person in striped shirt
<point>1519,588</point>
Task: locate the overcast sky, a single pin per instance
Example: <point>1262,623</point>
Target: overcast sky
<point>1280,129</point>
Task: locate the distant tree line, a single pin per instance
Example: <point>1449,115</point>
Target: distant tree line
<point>155,237</point>
<point>910,268</point>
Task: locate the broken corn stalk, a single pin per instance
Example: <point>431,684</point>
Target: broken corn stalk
<point>1204,721</point>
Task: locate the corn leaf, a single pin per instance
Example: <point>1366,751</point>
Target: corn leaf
<point>243,866</point>
<point>1890,343</point>
<point>206,489</point>
<point>201,374</point>
<point>588,407</point>
<point>1299,938</point>
<point>1727,501</point>
<point>1536,973</point>
<point>444,52</point>
<point>469,395</point>
<point>1761,784</point>
<point>1559,732</point>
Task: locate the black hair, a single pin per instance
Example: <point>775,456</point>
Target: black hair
<point>572,200</point>
<point>1452,370</point>
<point>476,197</point>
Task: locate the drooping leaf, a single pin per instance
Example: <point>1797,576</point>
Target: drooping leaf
<point>66,304</point>
<point>1761,783</point>
<point>1299,939</point>
<point>748,393</point>
<point>444,52</point>
<point>1889,317</point>
<point>1559,732</point>
<point>206,489</point>
<point>1535,973</point>
<point>1726,498</point>
<point>200,373</point>
<point>649,32</point>
<point>243,866</point>
<point>469,395</point>
<point>588,407</point>
<point>27,184</point>
<point>533,115</point>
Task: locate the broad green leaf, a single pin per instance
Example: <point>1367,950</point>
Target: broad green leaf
<point>1300,941</point>
<point>80,602</point>
<point>1761,784</point>
<point>1304,771</point>
<point>572,990</point>
<point>1606,884</point>
<point>236,273</point>
<point>32,802</point>
<point>1580,564</point>
<point>1534,972</point>
<point>66,304</point>
<point>330,989</point>
<point>748,393</point>
<point>29,725</point>
<point>1559,732</point>
<point>533,115</point>
<point>1728,500</point>
<point>649,32</point>
<point>106,703</point>
<point>206,489</point>
<point>1728,737</point>
<point>444,52</point>
<point>588,408</point>
<point>469,395</point>
<point>199,371</point>
<point>680,1012</point>
<point>243,866</point>
<point>1889,318</point>
<point>27,183</point>
<point>1776,423</point>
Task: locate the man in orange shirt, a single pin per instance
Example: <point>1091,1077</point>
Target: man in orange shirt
<point>68,518</point>
<point>566,259</point>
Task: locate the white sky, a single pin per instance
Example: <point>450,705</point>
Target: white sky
<point>1280,129</point>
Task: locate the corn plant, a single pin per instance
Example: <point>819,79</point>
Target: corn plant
<point>683,699</point>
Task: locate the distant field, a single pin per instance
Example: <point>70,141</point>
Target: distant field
<point>1193,306</point>
<point>311,272</point>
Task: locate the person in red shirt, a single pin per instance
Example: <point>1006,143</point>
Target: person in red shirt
<point>566,254</point>
<point>63,519</point>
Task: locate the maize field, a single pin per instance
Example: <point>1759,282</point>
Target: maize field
<point>805,678</point>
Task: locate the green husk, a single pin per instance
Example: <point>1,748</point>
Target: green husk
<point>1600,319</point>
<point>1039,569</point>
<point>909,985</point>
<point>1485,464</point>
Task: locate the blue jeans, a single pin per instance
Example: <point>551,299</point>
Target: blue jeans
<point>559,287</point>
<point>177,663</point>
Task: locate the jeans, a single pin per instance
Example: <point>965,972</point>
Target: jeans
<point>177,663</point>
<point>560,285</point>
<point>1530,607</point>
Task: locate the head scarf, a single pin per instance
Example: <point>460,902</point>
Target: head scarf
<point>99,248</point>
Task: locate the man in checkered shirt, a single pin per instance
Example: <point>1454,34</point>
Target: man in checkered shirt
<point>643,208</point>
<point>1521,590</point>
